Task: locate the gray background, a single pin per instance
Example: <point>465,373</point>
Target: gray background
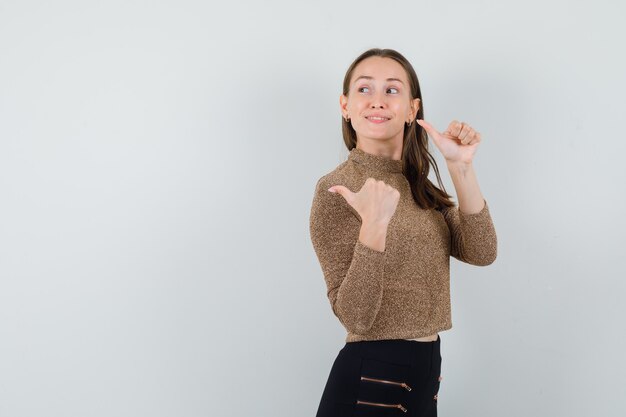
<point>157,165</point>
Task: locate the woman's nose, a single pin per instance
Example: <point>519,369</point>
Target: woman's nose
<point>378,100</point>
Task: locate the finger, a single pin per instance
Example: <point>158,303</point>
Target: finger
<point>475,138</point>
<point>465,132</point>
<point>449,129</point>
<point>340,189</point>
<point>428,127</point>
<point>434,135</point>
<point>469,138</point>
<point>464,137</point>
<point>454,128</point>
<point>461,127</point>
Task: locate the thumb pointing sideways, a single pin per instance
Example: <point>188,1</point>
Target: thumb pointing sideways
<point>340,189</point>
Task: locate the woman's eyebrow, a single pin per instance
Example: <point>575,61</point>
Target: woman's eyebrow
<point>367,77</point>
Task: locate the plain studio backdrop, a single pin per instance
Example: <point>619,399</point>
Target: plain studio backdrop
<point>157,167</point>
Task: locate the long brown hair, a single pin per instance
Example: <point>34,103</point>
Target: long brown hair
<point>417,159</point>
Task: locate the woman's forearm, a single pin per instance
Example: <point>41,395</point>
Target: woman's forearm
<point>465,183</point>
<point>374,235</point>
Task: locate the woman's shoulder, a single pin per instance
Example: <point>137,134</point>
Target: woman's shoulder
<point>343,174</point>
<point>334,204</point>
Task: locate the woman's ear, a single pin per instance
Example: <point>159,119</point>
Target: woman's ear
<point>343,103</point>
<point>416,107</point>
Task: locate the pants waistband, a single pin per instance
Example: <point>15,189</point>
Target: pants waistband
<point>400,351</point>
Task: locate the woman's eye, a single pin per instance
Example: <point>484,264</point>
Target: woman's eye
<point>390,88</point>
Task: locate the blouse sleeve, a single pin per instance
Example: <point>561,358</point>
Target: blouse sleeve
<point>473,236</point>
<point>353,272</point>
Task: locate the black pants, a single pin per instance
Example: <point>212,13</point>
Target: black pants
<point>394,377</point>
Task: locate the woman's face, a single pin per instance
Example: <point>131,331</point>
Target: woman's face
<point>379,86</point>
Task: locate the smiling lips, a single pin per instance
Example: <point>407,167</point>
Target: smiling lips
<point>376,119</point>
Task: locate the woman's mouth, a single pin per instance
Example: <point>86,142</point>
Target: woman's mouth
<point>377,119</point>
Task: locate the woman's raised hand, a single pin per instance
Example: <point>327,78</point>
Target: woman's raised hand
<point>457,144</point>
<point>376,202</point>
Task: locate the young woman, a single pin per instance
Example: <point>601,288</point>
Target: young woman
<point>384,234</point>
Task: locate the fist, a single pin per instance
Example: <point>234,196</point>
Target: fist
<point>375,202</point>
